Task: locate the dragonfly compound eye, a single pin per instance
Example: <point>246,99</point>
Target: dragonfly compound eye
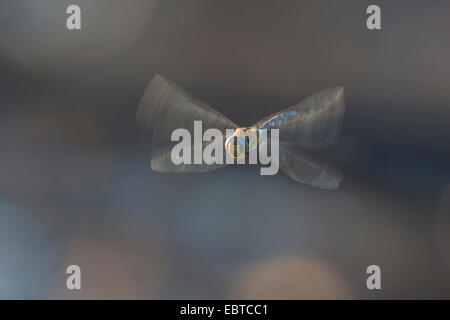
<point>236,146</point>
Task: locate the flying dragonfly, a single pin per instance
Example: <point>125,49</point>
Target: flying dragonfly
<point>306,130</point>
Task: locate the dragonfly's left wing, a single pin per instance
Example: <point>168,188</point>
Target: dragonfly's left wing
<point>314,122</point>
<point>311,167</point>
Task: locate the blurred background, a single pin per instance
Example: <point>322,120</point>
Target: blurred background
<point>76,185</point>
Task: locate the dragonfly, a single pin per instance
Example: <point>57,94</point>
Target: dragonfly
<point>306,130</point>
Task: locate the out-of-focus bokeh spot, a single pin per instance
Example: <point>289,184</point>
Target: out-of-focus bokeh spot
<point>117,261</point>
<point>27,258</point>
<point>41,39</point>
<point>50,156</point>
<point>291,277</point>
<point>362,223</point>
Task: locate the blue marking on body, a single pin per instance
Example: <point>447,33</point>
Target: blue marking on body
<point>281,117</point>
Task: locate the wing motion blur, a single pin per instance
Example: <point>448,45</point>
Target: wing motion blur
<point>165,107</point>
<point>314,122</point>
<point>311,167</point>
<point>307,130</point>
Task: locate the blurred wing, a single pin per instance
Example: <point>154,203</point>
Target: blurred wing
<point>161,161</point>
<point>310,167</point>
<point>165,107</point>
<point>314,122</point>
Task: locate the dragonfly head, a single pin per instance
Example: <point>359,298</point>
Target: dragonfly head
<point>242,141</point>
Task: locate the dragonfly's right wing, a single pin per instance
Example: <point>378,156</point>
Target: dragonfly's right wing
<point>165,107</point>
<point>162,161</point>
